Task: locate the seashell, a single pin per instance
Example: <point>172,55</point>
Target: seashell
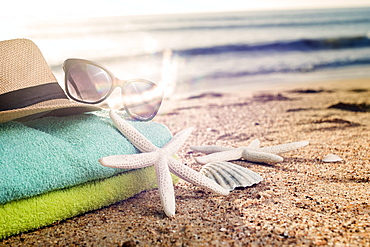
<point>230,175</point>
<point>332,158</point>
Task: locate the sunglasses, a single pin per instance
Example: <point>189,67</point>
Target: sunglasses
<point>91,83</point>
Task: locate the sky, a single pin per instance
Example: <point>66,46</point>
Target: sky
<point>16,14</point>
<point>45,9</point>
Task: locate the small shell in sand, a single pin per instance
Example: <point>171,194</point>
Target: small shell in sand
<point>332,158</point>
<point>230,175</point>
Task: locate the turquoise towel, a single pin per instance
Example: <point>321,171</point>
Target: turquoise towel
<point>58,152</point>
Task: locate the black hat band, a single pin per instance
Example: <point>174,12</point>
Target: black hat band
<point>31,95</point>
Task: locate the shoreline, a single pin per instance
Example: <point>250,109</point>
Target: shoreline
<point>249,90</point>
<point>277,80</point>
<point>301,201</point>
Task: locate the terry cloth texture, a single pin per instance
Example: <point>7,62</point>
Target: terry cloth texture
<point>41,210</point>
<point>50,170</point>
<point>57,152</point>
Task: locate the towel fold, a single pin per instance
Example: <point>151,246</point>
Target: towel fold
<point>41,210</point>
<point>49,168</point>
<point>57,152</point>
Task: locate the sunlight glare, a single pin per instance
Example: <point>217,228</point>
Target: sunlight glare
<point>169,72</point>
<point>115,101</point>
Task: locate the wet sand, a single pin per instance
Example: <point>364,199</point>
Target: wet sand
<point>301,201</point>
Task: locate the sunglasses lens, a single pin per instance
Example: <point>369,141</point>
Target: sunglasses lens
<point>87,82</point>
<point>142,99</point>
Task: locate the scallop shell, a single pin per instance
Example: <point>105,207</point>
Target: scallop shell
<point>332,158</point>
<point>230,175</point>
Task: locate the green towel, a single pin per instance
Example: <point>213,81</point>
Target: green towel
<point>57,152</point>
<point>41,210</point>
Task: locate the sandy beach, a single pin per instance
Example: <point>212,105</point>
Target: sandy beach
<point>301,201</point>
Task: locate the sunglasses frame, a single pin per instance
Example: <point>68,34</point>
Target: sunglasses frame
<point>116,82</point>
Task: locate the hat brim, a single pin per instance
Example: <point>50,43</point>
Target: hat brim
<point>55,107</point>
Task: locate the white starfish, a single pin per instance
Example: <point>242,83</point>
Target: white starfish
<point>163,161</point>
<point>253,152</point>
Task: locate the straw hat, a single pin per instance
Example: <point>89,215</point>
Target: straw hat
<point>28,87</point>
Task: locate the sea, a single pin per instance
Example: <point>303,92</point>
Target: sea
<point>215,52</point>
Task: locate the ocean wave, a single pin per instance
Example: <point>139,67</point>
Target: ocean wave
<point>237,50</point>
<point>301,69</point>
<point>283,24</point>
<point>305,45</point>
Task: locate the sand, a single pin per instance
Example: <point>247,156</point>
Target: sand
<point>301,201</point>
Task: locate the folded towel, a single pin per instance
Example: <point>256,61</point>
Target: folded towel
<point>57,152</point>
<point>41,210</point>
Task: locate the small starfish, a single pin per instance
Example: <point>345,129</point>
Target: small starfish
<point>253,152</point>
<point>163,161</point>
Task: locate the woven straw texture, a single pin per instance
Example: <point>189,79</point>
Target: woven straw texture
<point>22,65</point>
